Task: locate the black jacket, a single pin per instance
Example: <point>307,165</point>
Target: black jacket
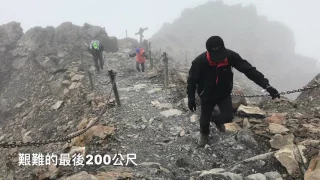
<point>203,77</point>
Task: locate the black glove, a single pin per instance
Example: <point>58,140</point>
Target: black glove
<point>273,92</point>
<point>192,104</point>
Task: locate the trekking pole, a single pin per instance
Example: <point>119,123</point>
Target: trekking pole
<point>166,70</point>
<point>114,86</point>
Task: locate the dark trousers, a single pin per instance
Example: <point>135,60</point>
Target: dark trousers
<point>138,67</point>
<point>98,59</point>
<point>207,106</point>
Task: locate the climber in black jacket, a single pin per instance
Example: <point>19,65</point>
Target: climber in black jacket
<point>96,49</point>
<point>211,75</point>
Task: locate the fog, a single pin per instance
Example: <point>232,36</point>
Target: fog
<point>117,16</point>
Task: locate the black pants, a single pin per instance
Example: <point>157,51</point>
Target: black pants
<point>138,67</point>
<point>207,106</point>
<point>97,56</point>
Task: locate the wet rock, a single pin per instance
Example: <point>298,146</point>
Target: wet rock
<point>273,176</point>
<point>92,69</point>
<point>258,176</point>
<point>182,133</point>
<point>55,87</point>
<point>90,97</point>
<point>51,172</point>
<point>115,173</point>
<point>96,131</point>
<point>277,119</point>
<point>287,157</point>
<point>77,150</point>
<point>26,138</point>
<point>246,123</point>
<point>138,87</point>
<point>246,137</point>
<point>298,115</point>
<point>278,141</point>
<point>152,74</point>
<point>185,104</point>
<point>171,112</point>
<point>313,172</point>
<point>233,127</point>
<point>194,118</point>
<point>83,175</point>
<point>238,100</point>
<point>250,111</point>
<point>66,83</point>
<point>162,106</point>
<point>57,105</point>
<point>312,127</point>
<point>77,77</point>
<point>79,85</point>
<point>183,162</point>
<point>73,85</point>
<point>277,128</point>
<point>154,90</point>
<point>182,76</point>
<point>65,91</point>
<point>311,142</point>
<point>220,174</point>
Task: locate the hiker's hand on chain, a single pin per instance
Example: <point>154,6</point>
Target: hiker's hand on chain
<point>192,104</point>
<point>273,92</point>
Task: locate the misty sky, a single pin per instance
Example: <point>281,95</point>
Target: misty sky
<point>118,15</point>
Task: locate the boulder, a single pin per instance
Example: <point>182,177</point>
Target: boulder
<point>278,141</point>
<point>250,111</point>
<point>313,172</point>
<point>287,157</point>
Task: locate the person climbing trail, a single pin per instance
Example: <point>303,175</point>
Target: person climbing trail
<point>141,57</point>
<point>211,75</point>
<point>96,48</point>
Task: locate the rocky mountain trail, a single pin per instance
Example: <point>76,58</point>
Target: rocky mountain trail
<point>152,135</point>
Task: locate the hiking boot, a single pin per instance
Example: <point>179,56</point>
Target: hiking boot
<point>203,140</point>
<point>221,127</point>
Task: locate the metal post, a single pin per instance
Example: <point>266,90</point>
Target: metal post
<point>114,86</point>
<point>90,80</point>
<point>166,70</point>
<point>126,34</point>
<point>151,60</point>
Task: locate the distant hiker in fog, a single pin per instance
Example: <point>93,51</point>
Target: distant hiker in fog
<point>211,75</point>
<point>96,49</point>
<point>141,57</point>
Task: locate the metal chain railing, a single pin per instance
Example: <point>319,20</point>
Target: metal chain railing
<point>281,93</point>
<point>265,95</point>
<point>68,138</point>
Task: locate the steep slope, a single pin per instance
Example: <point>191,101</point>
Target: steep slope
<point>153,123</point>
<point>39,57</point>
<point>268,45</point>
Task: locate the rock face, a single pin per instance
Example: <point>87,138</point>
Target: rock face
<point>39,54</point>
<point>181,36</point>
<point>311,98</point>
<point>9,35</point>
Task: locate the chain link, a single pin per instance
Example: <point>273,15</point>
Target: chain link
<point>281,93</point>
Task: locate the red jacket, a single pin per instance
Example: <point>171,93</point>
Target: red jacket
<point>140,56</point>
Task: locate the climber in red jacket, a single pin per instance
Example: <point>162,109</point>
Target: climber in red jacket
<point>141,57</point>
